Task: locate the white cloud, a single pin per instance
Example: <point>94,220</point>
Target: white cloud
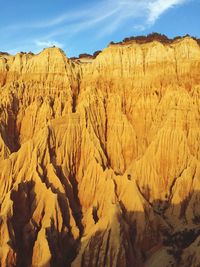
<point>48,43</point>
<point>157,8</point>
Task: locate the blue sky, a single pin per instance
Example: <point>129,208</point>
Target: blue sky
<point>79,26</point>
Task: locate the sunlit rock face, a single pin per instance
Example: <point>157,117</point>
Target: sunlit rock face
<point>100,157</point>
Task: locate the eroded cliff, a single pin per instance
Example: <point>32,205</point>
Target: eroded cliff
<point>100,157</point>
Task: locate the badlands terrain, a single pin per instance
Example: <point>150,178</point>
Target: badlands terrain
<point>100,156</point>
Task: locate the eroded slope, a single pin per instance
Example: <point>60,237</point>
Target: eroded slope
<point>99,159</point>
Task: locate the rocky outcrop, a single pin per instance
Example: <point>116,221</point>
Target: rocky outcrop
<point>99,157</point>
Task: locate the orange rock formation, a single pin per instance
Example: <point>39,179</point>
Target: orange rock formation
<point>100,157</point>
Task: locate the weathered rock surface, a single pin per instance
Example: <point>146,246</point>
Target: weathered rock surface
<point>100,158</point>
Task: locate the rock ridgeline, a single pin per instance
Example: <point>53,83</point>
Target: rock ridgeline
<point>100,157</point>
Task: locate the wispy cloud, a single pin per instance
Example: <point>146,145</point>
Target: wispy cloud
<point>110,15</point>
<point>67,17</point>
<point>105,16</point>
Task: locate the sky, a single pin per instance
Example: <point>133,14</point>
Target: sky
<point>79,26</point>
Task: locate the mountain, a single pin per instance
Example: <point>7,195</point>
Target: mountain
<point>100,156</point>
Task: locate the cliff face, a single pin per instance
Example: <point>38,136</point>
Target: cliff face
<point>100,158</point>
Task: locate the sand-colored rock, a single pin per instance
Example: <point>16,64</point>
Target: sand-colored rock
<point>100,157</point>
